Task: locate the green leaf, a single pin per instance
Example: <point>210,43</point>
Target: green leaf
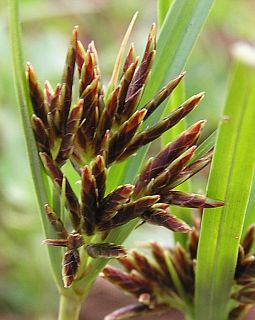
<point>39,178</point>
<point>163,6</point>
<point>230,180</point>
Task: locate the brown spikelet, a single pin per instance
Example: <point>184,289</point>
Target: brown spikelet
<point>128,212</point>
<point>168,122</point>
<point>161,217</point>
<point>248,239</point>
<point>193,238</point>
<point>147,269</point>
<point>36,95</point>
<point>41,134</point>
<point>190,170</point>
<point>124,85</point>
<point>190,200</point>
<point>163,180</point>
<point>56,242</point>
<point>162,94</point>
<point>56,222</point>
<point>99,172</point>
<point>120,139</point>
<point>159,256</point>
<point>142,73</point>
<point>89,200</point>
<point>113,202</point>
<point>71,199</point>
<point>70,266</point>
<point>128,263</point>
<point>94,55</point>
<point>131,283</point>
<point>54,115</point>
<point>105,250</point>
<point>130,105</point>
<point>130,59</point>
<point>171,152</point>
<point>246,295</point>
<point>48,94</point>
<point>107,117</point>
<point>238,312</point>
<point>73,121</point>
<point>80,56</point>
<point>184,268</point>
<point>67,78</point>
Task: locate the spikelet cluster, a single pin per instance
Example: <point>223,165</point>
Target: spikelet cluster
<point>97,130</point>
<point>155,279</point>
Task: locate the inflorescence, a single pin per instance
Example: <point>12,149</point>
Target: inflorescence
<point>100,130</point>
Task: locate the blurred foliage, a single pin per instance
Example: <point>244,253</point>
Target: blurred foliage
<point>25,283</point>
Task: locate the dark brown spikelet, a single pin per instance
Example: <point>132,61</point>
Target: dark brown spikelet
<point>67,78</point>
<point>248,239</point>
<point>72,125</point>
<point>161,217</point>
<point>99,172</point>
<point>191,170</point>
<point>107,117</point>
<point>36,95</point>
<point>41,134</point>
<point>238,312</point>
<point>171,152</point>
<point>160,96</point>
<point>193,238</point>
<point>159,256</point>
<point>189,200</point>
<point>124,104</point>
<point>70,266</point>
<point>246,295</point>
<point>146,267</point>
<point>163,180</point>
<point>184,268</point>
<point>89,201</point>
<point>131,283</point>
<point>128,212</point>
<point>71,199</point>
<point>56,222</point>
<point>152,133</point>
<point>130,58</point>
<point>120,139</point>
<point>113,202</point>
<point>145,66</point>
<point>105,250</point>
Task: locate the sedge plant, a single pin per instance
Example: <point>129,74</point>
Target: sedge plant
<point>86,145</point>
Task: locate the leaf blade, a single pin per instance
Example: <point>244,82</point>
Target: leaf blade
<point>221,229</point>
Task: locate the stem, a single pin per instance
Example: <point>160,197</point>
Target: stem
<point>23,99</point>
<point>69,308</point>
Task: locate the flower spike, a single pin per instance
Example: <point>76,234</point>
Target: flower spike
<point>93,130</point>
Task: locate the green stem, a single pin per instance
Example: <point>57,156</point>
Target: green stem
<point>23,99</point>
<point>69,307</point>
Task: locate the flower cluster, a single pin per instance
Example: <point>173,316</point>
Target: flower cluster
<point>244,289</point>
<point>166,279</point>
<point>161,281</point>
<point>100,130</point>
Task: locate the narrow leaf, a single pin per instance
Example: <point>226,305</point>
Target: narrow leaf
<point>230,180</point>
